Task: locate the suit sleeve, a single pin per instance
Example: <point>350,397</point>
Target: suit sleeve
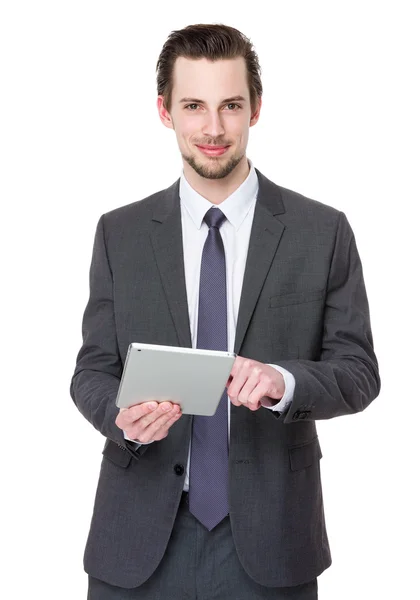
<point>346,378</point>
<point>98,370</point>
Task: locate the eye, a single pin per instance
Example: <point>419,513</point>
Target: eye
<point>190,107</point>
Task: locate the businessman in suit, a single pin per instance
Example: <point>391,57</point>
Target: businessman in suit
<point>224,258</point>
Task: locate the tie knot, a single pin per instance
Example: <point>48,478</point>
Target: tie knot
<point>214,217</point>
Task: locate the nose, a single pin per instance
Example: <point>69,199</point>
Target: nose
<point>213,126</point>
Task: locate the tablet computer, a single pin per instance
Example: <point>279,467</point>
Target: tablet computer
<point>193,378</point>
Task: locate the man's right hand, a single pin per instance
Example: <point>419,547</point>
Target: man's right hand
<point>148,421</point>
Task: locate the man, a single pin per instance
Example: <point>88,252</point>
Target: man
<point>229,505</point>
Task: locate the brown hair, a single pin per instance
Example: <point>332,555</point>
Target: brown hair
<point>214,42</point>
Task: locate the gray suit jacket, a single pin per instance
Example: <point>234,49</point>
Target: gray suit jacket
<point>303,306</point>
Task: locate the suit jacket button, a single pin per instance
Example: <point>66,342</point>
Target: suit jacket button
<point>179,469</point>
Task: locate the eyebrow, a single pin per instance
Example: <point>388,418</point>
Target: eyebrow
<point>225,101</point>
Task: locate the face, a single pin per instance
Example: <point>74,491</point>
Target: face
<point>210,114</point>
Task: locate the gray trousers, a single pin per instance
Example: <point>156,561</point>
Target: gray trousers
<point>199,565</point>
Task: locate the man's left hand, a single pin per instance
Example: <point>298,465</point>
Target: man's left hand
<point>250,381</point>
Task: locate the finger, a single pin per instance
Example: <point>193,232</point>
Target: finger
<point>237,365</point>
<point>257,394</point>
<point>158,428</point>
<point>237,383</point>
<point>164,430</point>
<point>162,410</point>
<point>132,414</point>
<point>245,396</point>
<point>146,409</point>
<point>143,432</point>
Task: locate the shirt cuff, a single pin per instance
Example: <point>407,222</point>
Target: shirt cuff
<point>137,444</point>
<point>289,390</point>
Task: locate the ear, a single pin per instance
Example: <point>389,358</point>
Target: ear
<point>164,115</point>
<point>256,114</point>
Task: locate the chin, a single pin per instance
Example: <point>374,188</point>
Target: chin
<point>212,167</point>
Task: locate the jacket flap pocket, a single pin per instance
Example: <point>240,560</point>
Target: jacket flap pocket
<point>305,455</point>
<point>116,454</point>
<point>296,298</point>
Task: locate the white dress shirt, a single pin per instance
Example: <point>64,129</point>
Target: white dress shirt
<point>235,232</point>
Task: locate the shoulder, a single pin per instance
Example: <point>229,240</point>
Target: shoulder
<point>299,204</point>
<point>310,214</point>
<point>138,214</point>
<point>296,210</point>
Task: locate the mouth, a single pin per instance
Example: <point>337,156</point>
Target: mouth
<point>213,150</point>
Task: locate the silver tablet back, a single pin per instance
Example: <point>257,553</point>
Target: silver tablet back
<point>193,378</point>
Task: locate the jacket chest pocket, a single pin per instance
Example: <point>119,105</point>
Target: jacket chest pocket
<point>296,298</point>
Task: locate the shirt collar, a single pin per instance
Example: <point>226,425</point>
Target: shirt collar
<point>235,207</point>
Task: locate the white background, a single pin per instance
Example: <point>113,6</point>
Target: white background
<point>80,135</point>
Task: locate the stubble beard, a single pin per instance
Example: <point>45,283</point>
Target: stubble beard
<point>212,170</point>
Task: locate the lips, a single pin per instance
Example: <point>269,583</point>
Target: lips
<point>212,150</point>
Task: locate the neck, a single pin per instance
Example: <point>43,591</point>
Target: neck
<point>217,190</point>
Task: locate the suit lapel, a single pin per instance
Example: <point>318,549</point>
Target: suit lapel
<point>265,236</point>
<point>168,249</point>
<point>166,240</point>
